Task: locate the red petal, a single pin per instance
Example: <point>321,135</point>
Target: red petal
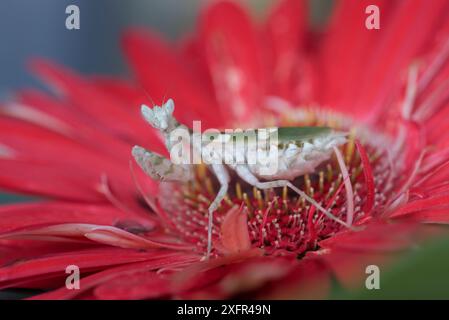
<point>80,129</point>
<point>373,60</point>
<point>15,250</point>
<point>54,266</point>
<point>350,267</point>
<point>234,232</point>
<point>46,163</point>
<point>440,216</point>
<point>369,179</point>
<point>232,53</point>
<point>155,261</point>
<point>285,33</point>
<point>309,279</point>
<point>408,35</point>
<point>21,216</point>
<point>346,49</point>
<point>103,234</point>
<point>105,110</point>
<point>237,279</point>
<point>432,203</point>
<point>375,237</point>
<point>38,144</point>
<point>163,76</point>
<point>62,181</point>
<point>142,285</point>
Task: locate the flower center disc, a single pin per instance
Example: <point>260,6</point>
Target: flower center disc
<point>278,220</point>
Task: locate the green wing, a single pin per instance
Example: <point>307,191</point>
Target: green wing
<point>285,134</point>
<point>294,134</point>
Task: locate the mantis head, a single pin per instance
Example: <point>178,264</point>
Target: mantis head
<point>160,118</point>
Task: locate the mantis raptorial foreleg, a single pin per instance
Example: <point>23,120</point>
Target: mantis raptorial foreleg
<point>160,168</point>
<point>223,178</point>
<point>244,173</point>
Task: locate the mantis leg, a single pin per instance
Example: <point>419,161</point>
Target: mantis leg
<point>223,177</point>
<point>250,178</point>
<point>160,168</point>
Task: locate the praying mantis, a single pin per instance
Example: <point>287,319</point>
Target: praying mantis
<point>299,150</point>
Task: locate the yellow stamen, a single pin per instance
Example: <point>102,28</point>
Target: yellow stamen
<point>209,187</point>
<point>201,171</point>
<point>308,184</point>
<point>238,190</point>
<point>321,181</point>
<point>247,202</point>
<point>285,204</point>
<point>203,199</point>
<point>259,199</point>
<point>228,201</point>
<point>350,147</point>
<point>329,173</point>
<point>255,192</point>
<point>284,193</point>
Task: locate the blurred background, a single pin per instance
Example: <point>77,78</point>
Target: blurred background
<point>36,28</point>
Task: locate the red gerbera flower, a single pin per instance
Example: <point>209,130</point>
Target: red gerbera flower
<point>133,238</point>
